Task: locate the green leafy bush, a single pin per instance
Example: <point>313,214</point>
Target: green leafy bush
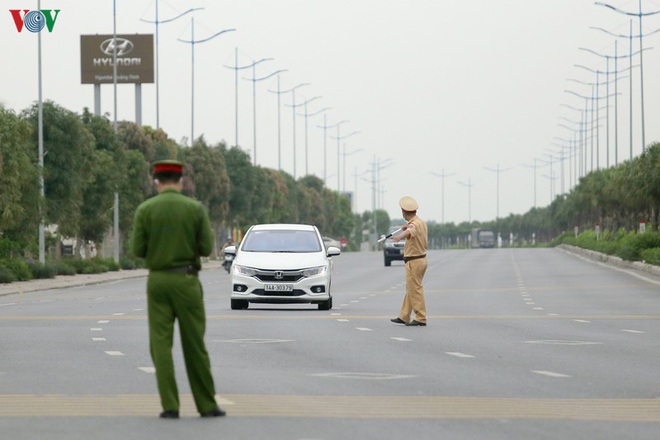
<point>19,268</point>
<point>94,267</point>
<point>651,256</point>
<point>6,275</point>
<point>42,271</point>
<point>64,268</point>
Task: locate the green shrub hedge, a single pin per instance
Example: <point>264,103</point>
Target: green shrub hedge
<point>629,246</point>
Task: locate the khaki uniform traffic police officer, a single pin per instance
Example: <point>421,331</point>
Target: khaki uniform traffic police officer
<point>414,254</point>
<point>171,232</point>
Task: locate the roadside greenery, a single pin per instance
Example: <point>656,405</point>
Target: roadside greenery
<point>86,163</point>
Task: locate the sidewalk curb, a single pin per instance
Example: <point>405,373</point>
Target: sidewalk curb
<point>611,260</point>
<point>66,281</point>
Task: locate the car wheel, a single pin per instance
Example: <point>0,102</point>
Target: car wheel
<point>388,262</point>
<point>326,305</point>
<point>239,304</point>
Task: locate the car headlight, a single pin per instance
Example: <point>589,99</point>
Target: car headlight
<point>313,271</point>
<point>244,270</point>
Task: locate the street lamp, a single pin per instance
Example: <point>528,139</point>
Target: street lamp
<point>497,171</point>
<point>344,154</point>
<point>325,128</point>
<point>442,191</point>
<point>293,93</point>
<point>339,138</point>
<point>157,22</point>
<point>306,116</point>
<point>254,80</point>
<point>641,55</point>
<point>192,43</point>
<point>469,186</point>
<point>236,68</point>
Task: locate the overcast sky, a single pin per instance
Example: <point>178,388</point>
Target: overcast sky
<point>455,87</point>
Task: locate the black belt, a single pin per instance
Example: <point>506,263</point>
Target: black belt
<point>188,270</point>
<point>416,257</point>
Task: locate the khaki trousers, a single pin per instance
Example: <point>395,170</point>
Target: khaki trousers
<point>414,299</point>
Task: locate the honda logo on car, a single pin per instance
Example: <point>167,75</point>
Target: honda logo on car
<point>34,21</point>
<point>279,275</point>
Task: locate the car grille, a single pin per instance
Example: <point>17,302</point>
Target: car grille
<point>279,275</point>
<point>295,292</point>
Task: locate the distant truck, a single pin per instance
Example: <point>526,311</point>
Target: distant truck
<point>482,238</point>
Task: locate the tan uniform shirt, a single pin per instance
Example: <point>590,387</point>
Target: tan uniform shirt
<point>418,242</point>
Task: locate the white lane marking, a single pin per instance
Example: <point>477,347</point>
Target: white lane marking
<point>363,297</point>
<point>537,308</point>
<point>553,314</point>
<point>335,314</point>
<point>147,369</point>
<point>364,329</point>
<point>342,320</point>
<point>530,303</point>
<point>458,354</point>
<point>582,320</point>
<point>633,331</point>
<point>137,310</point>
<point>368,376</point>
<point>254,341</point>
<point>8,304</point>
<point>96,329</point>
<point>114,353</point>
<point>98,339</point>
<point>355,301</point>
<point>401,339</point>
<point>550,374</point>
<point>343,305</point>
<point>118,314</point>
<point>103,321</point>
<point>562,342</point>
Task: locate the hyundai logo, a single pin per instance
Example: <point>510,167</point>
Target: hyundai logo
<point>122,45</point>
<point>279,275</point>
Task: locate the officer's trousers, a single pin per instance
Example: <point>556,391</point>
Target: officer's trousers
<point>176,296</point>
<point>414,299</point>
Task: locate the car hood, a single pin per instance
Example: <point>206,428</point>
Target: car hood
<point>280,260</point>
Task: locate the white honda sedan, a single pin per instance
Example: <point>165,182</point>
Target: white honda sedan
<point>282,264</point>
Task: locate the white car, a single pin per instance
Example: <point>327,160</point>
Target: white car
<point>282,264</point>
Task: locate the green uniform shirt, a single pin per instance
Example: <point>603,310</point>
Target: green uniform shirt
<point>171,230</point>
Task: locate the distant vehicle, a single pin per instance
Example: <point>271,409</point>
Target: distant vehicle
<point>331,242</point>
<point>393,250</point>
<point>482,238</point>
<point>282,264</point>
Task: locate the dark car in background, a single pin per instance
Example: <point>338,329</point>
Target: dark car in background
<point>393,250</point>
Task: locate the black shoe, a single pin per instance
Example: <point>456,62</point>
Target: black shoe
<point>217,412</point>
<point>415,323</point>
<point>171,414</point>
<point>398,321</point>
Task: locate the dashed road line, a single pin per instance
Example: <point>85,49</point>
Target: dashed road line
<point>633,331</point>
<point>401,339</point>
<point>459,355</point>
<point>551,374</point>
<point>114,353</point>
<point>364,329</point>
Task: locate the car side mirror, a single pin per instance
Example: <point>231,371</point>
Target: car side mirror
<point>333,251</point>
<point>231,250</point>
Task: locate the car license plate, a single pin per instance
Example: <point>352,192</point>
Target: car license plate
<point>278,287</point>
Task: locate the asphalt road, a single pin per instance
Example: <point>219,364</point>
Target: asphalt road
<point>521,344</point>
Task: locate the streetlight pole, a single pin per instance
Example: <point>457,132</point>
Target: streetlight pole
<point>641,55</point>
<point>339,138</point>
<point>157,22</point>
<point>615,57</point>
<point>469,186</point>
<point>254,80</point>
<point>442,191</point>
<point>192,43</point>
<point>293,93</point>
<point>325,128</point>
<point>498,170</point>
<point>236,68</point>
<point>344,154</point>
<point>306,115</point>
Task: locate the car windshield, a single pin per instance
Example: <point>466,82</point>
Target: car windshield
<point>282,241</point>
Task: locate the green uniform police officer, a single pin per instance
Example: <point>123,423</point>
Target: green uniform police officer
<point>171,232</point>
